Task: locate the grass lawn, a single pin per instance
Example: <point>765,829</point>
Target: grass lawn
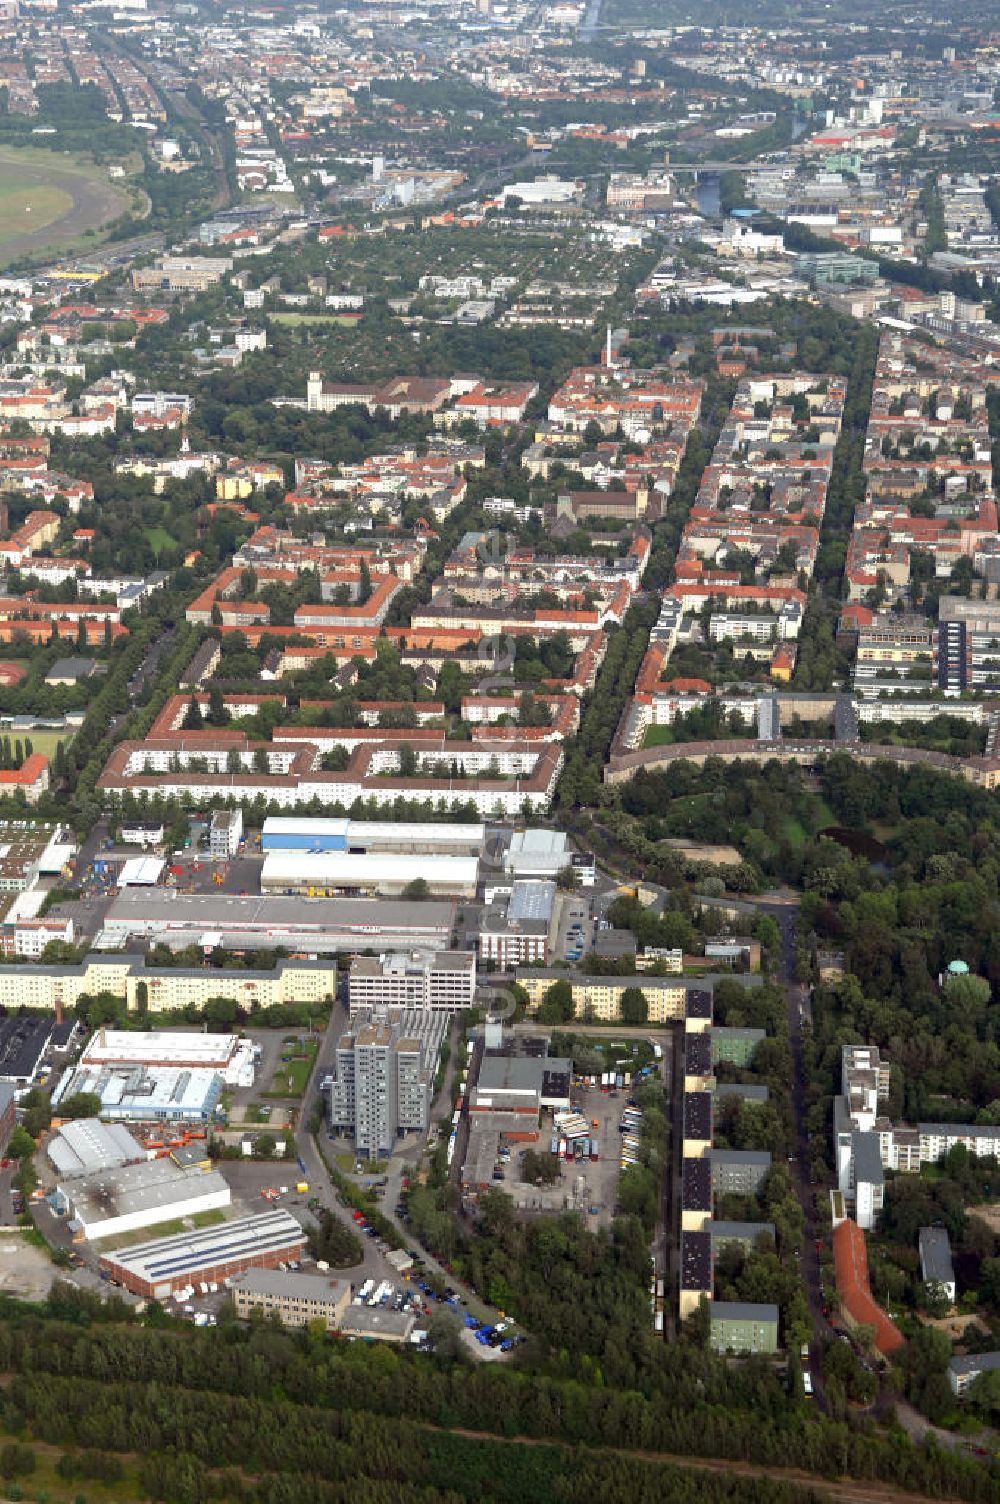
<point>161,1230</point>
<point>290,1076</point>
<point>659,736</point>
<point>793,833</point>
<point>824,815</point>
<point>255,1113</point>
<point>159,538</point>
<point>292,319</point>
<point>46,742</point>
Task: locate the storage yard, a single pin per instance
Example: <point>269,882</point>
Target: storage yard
<point>587,1183</point>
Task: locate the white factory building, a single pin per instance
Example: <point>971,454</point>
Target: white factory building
<point>341,833</point>
<point>111,1202</point>
<point>390,874</point>
<point>137,1094</point>
<point>540,853</point>
<point>231,1057</point>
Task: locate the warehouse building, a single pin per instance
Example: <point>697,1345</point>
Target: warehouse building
<point>230,1056</point>
<point>441,981</point>
<point>737,1326</point>
<point>109,1203</point>
<point>209,1255</point>
<point>86,1145</point>
<point>320,926</point>
<point>296,1298</point>
<point>286,833</point>
<point>135,1094</point>
<point>429,838</point>
<point>512,1090</point>
<point>141,872</point>
<point>390,874</point>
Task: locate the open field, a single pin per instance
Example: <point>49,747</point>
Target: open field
<point>46,742</point>
<point>49,200</point>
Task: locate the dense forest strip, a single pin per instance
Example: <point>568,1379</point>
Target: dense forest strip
<point>840,1490</point>
<point>295,1406</point>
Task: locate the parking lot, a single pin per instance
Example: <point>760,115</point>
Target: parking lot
<point>574,926</point>
<point>422,1295</point>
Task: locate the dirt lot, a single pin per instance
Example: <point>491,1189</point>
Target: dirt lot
<point>25,1271</point>
<point>989,1214</point>
<point>954,1327</point>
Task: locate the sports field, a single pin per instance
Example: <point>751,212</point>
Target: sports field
<point>48,200</point>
